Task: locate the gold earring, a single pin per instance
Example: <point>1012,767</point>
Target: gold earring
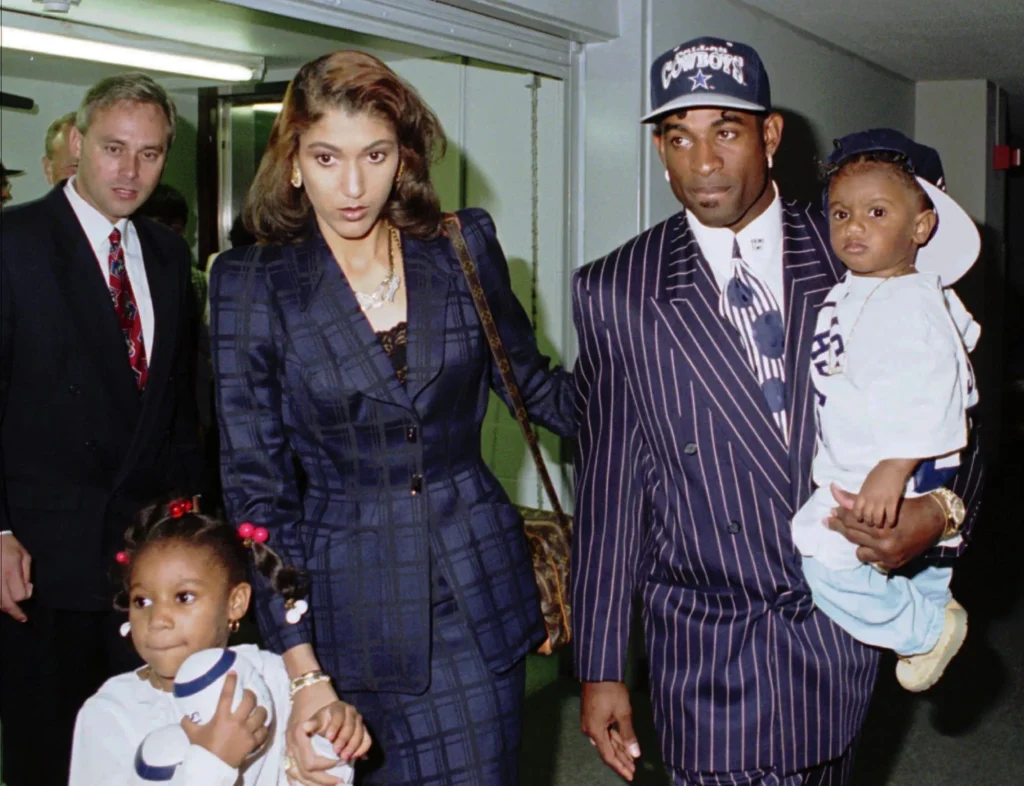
<point>401,169</point>
<point>233,626</point>
<point>296,177</point>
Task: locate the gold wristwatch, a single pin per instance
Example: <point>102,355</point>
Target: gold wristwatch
<point>954,510</point>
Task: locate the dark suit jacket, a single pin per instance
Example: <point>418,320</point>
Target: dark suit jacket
<point>685,493</point>
<point>395,485</point>
<point>82,450</point>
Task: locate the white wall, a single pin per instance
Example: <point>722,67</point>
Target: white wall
<point>963,120</point>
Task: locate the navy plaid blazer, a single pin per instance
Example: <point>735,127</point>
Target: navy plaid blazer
<point>394,485</point>
<point>685,491</point>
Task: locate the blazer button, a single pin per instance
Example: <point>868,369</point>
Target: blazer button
<point>416,486</point>
<point>690,449</point>
<point>91,444</point>
<point>734,527</point>
<point>73,389</point>
<point>411,434</point>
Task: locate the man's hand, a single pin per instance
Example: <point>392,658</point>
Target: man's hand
<point>606,716</point>
<point>918,527</point>
<point>15,572</point>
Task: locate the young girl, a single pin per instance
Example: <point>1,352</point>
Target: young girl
<point>893,382</point>
<point>184,584</point>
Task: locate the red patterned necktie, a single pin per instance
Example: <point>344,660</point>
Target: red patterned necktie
<point>127,310</point>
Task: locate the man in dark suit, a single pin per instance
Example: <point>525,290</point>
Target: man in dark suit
<point>96,412</point>
<point>695,450</point>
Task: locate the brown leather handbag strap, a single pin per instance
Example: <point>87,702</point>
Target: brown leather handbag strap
<point>454,231</point>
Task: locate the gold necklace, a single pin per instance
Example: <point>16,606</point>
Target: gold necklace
<point>388,288</point>
<point>833,366</point>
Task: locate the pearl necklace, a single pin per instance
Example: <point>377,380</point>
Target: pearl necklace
<point>388,288</point>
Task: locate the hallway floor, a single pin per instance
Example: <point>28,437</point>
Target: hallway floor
<point>969,729</point>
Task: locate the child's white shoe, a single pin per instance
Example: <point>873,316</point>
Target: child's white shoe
<point>919,672</point>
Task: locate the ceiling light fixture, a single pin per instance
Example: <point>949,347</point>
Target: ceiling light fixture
<point>81,42</point>
<point>275,108</point>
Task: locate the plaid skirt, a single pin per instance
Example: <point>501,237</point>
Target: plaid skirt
<point>464,730</point>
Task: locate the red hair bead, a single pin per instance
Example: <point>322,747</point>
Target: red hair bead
<point>245,530</point>
<point>122,558</point>
<point>260,534</point>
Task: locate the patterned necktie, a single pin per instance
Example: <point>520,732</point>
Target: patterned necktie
<point>752,309</point>
<point>127,310</point>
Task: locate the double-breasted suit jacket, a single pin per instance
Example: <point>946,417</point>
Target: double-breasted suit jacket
<point>393,485</point>
<point>685,492</point>
<point>82,449</point>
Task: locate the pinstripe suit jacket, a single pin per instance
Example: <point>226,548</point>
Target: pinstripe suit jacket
<point>394,482</point>
<point>685,491</point>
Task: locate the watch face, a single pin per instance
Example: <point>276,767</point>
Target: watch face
<point>957,509</point>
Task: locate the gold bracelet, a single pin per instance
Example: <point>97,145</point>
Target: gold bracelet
<point>305,680</point>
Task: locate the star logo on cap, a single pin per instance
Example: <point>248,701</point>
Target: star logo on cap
<point>700,80</point>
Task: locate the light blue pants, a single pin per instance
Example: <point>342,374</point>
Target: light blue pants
<point>900,613</point>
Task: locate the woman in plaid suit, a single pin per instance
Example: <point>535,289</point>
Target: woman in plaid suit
<point>352,379</point>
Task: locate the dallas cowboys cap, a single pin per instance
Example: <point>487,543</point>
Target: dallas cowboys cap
<point>954,246</point>
<point>708,72</point>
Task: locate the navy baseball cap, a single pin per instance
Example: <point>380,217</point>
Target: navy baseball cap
<point>708,72</point>
<point>954,246</point>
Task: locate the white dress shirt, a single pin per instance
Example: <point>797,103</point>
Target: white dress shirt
<point>760,246</point>
<point>97,228</point>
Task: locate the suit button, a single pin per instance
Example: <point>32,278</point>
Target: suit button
<point>73,389</point>
<point>416,486</point>
<point>91,444</point>
<point>734,527</point>
<point>411,434</point>
<point>690,449</point>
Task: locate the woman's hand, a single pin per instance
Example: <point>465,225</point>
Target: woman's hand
<point>311,711</point>
<point>342,724</point>
<point>230,735</point>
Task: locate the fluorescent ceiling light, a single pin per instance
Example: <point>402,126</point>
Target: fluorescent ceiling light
<point>81,49</point>
<point>275,108</point>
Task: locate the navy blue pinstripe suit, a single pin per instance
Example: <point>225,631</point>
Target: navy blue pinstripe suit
<point>397,496</point>
<point>685,491</point>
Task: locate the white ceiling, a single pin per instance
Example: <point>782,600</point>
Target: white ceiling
<point>285,43</point>
<point>922,39</point>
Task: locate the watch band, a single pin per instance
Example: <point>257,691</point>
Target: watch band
<point>953,509</point>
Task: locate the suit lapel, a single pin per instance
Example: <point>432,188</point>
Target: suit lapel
<point>87,298</point>
<point>808,274</point>
<point>687,300</point>
<point>428,280</point>
<point>332,307</point>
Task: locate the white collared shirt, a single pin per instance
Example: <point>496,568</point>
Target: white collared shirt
<point>760,246</point>
<point>97,229</point>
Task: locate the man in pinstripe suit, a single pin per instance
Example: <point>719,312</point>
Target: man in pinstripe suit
<point>695,447</point>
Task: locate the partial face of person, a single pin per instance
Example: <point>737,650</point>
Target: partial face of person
<point>61,163</point>
<point>180,602</point>
<point>876,219</point>
<point>717,161</point>
<point>348,163</point>
<point>121,157</point>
